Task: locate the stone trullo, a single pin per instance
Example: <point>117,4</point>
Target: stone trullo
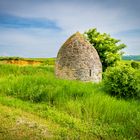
<point>77,59</point>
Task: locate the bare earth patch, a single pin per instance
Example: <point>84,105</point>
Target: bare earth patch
<point>19,125</point>
<point>23,62</point>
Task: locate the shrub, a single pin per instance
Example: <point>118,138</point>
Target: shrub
<point>122,81</point>
<point>135,65</point>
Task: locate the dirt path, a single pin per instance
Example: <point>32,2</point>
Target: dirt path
<point>18,125</point>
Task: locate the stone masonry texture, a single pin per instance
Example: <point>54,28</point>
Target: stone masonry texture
<point>77,59</point>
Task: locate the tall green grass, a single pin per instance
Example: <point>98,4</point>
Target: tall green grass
<point>102,115</point>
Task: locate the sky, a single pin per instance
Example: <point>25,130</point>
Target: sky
<point>38,28</point>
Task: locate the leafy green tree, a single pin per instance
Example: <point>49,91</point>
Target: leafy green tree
<point>106,46</point>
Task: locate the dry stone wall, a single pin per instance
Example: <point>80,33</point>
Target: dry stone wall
<point>77,59</point>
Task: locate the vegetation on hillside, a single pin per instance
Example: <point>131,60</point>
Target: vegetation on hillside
<point>79,110</point>
<point>34,104</point>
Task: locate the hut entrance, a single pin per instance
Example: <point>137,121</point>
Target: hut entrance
<point>90,72</point>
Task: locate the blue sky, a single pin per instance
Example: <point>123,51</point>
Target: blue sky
<point>38,28</point>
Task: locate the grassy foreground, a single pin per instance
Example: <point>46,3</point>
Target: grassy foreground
<point>72,109</point>
<point>17,125</point>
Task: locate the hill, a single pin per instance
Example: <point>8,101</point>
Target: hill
<point>131,57</point>
<point>34,104</point>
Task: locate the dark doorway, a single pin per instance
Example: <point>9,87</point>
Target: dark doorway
<point>90,73</point>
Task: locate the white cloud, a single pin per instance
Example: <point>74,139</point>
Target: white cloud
<point>71,16</point>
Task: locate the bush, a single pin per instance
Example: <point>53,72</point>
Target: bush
<point>122,81</point>
<point>135,65</point>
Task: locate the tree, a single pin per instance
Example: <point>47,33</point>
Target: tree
<point>106,46</point>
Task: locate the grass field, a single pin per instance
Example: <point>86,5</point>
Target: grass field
<point>62,109</point>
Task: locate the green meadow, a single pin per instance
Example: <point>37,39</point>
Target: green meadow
<point>61,109</point>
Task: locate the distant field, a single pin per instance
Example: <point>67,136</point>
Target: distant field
<point>129,61</point>
<point>26,61</point>
<point>51,61</point>
<point>68,109</point>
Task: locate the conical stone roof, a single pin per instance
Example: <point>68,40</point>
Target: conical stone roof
<point>77,59</point>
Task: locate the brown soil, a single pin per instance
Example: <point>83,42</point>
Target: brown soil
<point>23,62</point>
